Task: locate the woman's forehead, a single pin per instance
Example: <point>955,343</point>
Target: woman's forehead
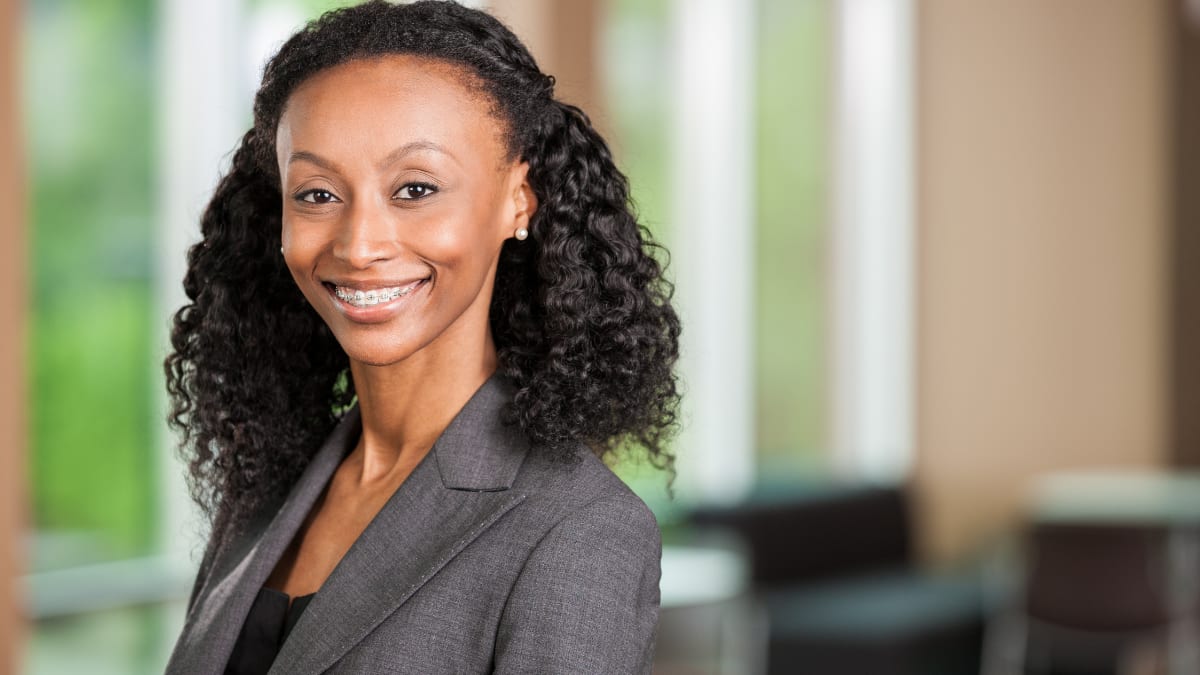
<point>364,108</point>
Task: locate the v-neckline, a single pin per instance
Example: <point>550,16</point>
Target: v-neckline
<point>291,600</point>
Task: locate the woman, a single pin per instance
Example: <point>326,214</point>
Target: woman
<point>421,315</point>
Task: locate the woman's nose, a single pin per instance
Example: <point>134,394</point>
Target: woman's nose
<point>366,234</point>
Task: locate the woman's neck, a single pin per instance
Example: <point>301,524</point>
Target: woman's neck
<point>405,406</point>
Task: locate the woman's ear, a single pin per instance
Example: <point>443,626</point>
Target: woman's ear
<point>523,199</point>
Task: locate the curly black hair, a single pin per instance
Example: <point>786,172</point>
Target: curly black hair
<point>581,313</point>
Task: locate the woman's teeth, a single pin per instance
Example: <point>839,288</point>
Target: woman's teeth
<point>373,296</point>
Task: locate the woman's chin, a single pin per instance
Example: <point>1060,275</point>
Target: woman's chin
<point>376,352</point>
<point>377,359</point>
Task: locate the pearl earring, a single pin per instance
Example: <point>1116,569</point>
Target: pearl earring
<point>281,250</point>
<point>521,234</point>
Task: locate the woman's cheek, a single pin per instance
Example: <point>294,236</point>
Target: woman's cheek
<point>448,242</point>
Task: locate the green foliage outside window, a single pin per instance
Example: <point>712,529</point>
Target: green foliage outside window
<point>792,107</point>
<point>89,69</point>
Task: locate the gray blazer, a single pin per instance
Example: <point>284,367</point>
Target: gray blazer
<point>488,558</point>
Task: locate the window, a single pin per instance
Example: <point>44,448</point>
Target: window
<point>720,113</point>
<point>89,112</point>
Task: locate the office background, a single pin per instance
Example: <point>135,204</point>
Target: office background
<point>928,246</point>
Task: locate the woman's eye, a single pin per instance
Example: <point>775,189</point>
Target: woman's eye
<point>416,191</point>
<point>317,197</point>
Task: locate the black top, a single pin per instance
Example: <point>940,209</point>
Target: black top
<point>267,626</point>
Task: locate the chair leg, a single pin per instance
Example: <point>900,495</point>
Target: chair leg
<point>1183,647</point>
<point>1183,594</point>
<point>1004,645</point>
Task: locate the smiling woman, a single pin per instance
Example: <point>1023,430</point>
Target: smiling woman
<point>421,314</point>
<point>399,199</point>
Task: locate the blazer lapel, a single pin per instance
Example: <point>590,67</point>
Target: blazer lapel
<point>455,493</point>
<point>221,608</point>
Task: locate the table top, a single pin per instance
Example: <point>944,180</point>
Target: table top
<point>1118,496</point>
<point>693,575</point>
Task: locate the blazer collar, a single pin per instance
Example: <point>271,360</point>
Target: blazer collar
<point>477,451</point>
<point>454,494</point>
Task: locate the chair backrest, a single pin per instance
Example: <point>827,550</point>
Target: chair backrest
<point>815,534</point>
<point>1100,577</point>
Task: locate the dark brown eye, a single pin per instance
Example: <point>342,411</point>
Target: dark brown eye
<point>316,197</point>
<point>416,191</point>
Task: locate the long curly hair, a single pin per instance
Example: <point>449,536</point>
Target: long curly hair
<point>580,313</point>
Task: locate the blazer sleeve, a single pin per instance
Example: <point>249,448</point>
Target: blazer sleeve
<point>587,599</point>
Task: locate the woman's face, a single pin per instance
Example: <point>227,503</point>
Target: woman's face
<point>396,201</point>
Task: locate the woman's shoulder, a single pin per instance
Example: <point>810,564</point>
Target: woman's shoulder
<point>585,596</point>
<point>582,490</point>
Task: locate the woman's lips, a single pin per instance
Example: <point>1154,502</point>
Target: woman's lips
<point>373,303</point>
<point>359,297</point>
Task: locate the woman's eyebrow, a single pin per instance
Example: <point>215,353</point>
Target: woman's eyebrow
<point>311,158</point>
<point>414,146</point>
<point>392,157</point>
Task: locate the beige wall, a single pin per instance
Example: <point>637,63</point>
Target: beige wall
<point>563,38</point>
<point>12,297</point>
<point>1041,264</point>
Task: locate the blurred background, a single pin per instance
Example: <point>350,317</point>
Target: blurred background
<point>936,262</point>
